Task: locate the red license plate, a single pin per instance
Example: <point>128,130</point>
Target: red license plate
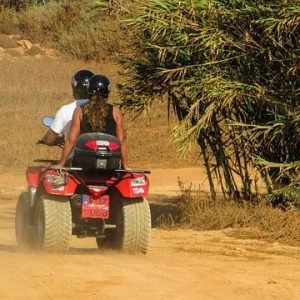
<point>95,207</point>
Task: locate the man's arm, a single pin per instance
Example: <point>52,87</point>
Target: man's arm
<point>72,138</point>
<point>52,136</point>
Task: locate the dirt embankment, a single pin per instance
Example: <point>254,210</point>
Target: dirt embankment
<point>182,264</point>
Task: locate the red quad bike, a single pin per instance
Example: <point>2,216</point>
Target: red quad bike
<point>93,198</point>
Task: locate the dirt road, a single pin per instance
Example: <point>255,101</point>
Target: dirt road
<point>181,264</point>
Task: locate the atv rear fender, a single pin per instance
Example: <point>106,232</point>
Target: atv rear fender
<point>56,183</point>
<point>33,175</point>
<point>133,185</point>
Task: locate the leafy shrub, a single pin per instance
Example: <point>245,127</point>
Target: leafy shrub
<point>230,70</point>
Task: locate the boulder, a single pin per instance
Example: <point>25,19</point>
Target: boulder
<point>35,49</point>
<point>14,36</point>
<point>38,56</point>
<point>50,52</point>
<point>25,44</point>
<point>6,42</point>
<point>15,51</point>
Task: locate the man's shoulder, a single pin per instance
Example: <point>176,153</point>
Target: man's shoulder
<point>69,105</point>
<point>81,102</point>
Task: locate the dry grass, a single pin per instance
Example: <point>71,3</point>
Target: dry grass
<point>149,136</point>
<point>250,220</point>
<point>31,88</point>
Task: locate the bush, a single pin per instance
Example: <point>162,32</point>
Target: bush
<point>199,211</point>
<point>230,69</point>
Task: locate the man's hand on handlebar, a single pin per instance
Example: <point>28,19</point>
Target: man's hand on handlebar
<point>60,142</point>
<point>40,141</point>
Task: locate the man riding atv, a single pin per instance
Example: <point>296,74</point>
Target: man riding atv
<point>60,127</point>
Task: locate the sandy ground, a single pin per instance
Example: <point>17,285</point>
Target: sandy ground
<point>182,264</point>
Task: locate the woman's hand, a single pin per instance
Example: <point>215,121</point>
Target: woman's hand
<point>126,168</point>
<point>56,166</point>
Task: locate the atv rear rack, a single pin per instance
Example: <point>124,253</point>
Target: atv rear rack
<point>70,169</point>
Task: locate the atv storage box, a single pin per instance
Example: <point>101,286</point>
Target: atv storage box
<point>97,151</point>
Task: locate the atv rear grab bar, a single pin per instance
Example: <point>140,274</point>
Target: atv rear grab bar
<point>132,171</point>
<point>108,171</point>
<point>52,161</point>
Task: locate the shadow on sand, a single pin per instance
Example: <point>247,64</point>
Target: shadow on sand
<point>164,209</point>
<point>8,248</point>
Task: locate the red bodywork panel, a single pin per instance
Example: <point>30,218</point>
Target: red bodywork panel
<point>130,185</point>
<point>33,175</point>
<point>96,201</point>
<point>133,185</point>
<point>56,184</point>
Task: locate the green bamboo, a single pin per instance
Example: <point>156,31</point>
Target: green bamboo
<point>224,60</point>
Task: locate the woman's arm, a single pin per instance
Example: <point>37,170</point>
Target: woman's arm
<point>73,136</point>
<point>120,134</point>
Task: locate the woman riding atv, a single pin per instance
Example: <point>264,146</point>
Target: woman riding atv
<point>96,116</point>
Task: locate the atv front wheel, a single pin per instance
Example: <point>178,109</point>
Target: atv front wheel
<point>133,226</point>
<point>53,223</point>
<point>23,224</point>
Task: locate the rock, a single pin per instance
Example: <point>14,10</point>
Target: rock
<point>14,36</point>
<point>50,52</point>
<point>14,46</point>
<point>35,49</point>
<point>15,51</point>
<point>6,42</point>
<point>39,56</point>
<point>25,44</point>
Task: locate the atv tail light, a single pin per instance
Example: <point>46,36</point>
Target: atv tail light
<point>138,181</point>
<point>91,145</point>
<point>96,191</point>
<point>113,146</point>
<point>50,178</point>
<point>96,144</point>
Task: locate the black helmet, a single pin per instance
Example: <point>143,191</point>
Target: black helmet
<point>79,83</point>
<point>99,85</point>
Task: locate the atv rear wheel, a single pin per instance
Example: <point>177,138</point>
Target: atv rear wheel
<point>23,224</point>
<point>53,223</point>
<point>133,226</point>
